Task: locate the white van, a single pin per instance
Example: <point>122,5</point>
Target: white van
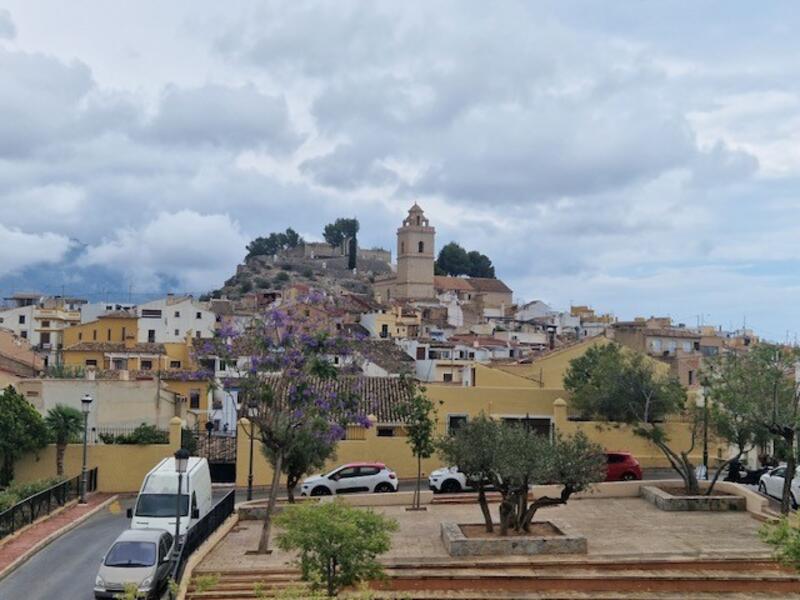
<point>157,501</point>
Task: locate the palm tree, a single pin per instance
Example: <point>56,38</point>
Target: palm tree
<point>64,423</point>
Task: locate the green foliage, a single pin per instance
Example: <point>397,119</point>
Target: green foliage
<point>204,583</point>
<point>307,272</point>
<point>419,419</point>
<point>454,260</point>
<point>784,536</point>
<point>22,430</point>
<point>246,286</point>
<point>511,458</point>
<point>16,492</point>
<point>130,592</point>
<point>337,232</point>
<point>294,592</point>
<point>274,243</point>
<point>281,277</point>
<point>608,383</point>
<point>65,372</point>
<point>142,435</point>
<point>338,544</point>
<point>64,423</point>
<point>311,448</point>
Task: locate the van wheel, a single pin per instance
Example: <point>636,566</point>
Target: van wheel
<point>451,486</point>
<point>383,488</point>
<point>628,477</point>
<point>320,490</point>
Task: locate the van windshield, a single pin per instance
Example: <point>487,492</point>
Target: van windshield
<point>132,554</point>
<point>160,505</point>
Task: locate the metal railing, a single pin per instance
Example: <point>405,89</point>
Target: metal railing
<point>111,435</point>
<point>34,507</point>
<point>200,532</point>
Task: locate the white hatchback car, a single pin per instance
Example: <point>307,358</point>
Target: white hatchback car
<point>771,484</point>
<point>447,480</point>
<point>350,479</point>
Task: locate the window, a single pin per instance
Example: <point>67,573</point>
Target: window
<point>384,330</point>
<point>22,319</point>
<point>402,247</point>
<point>614,459</point>
<point>385,432</point>
<point>108,335</point>
<point>91,362</point>
<point>123,334</point>
<point>418,220</point>
<point>421,247</point>
<point>687,346</point>
<point>174,364</point>
<point>94,335</point>
<point>177,332</point>
<point>691,377</point>
<point>80,336</point>
<point>45,323</point>
<point>197,334</point>
<point>147,365</point>
<point>119,364</point>
<point>345,473</point>
<point>45,337</point>
<point>198,315</point>
<point>447,377</point>
<point>151,336</point>
<point>368,471</point>
<point>177,314</point>
<point>149,313</point>
<point>31,394</point>
<point>194,399</point>
<point>23,335</point>
<point>454,422</point>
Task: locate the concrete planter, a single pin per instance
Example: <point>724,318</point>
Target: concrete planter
<point>457,544</point>
<point>666,501</point>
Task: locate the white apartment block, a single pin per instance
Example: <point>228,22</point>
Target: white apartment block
<point>171,319</point>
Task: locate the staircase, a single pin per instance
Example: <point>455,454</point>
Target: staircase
<point>557,580</point>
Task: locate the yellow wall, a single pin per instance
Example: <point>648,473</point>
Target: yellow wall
<point>121,468</point>
<point>78,359</point>
<point>102,328</point>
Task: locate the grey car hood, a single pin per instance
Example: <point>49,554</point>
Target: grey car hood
<point>119,576</point>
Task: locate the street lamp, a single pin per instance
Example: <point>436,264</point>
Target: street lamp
<point>86,406</point>
<point>252,413</point>
<point>181,464</point>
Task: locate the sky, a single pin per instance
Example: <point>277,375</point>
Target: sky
<point>639,157</point>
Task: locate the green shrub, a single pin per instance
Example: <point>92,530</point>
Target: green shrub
<point>281,277</point>
<point>245,286</point>
<point>143,434</point>
<point>16,492</point>
<point>338,544</point>
<point>784,536</point>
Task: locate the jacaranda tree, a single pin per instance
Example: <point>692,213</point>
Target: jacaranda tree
<point>283,366</point>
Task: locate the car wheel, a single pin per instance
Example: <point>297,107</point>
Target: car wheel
<point>628,477</point>
<point>451,486</point>
<point>383,488</point>
<point>320,490</point>
<point>762,488</point>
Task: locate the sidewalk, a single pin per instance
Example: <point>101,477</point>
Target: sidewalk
<point>38,533</point>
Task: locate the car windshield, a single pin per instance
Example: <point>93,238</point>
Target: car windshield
<point>160,505</point>
<point>132,554</point>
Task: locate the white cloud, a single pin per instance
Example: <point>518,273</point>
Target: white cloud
<point>186,249</point>
<point>22,249</point>
<point>7,28</point>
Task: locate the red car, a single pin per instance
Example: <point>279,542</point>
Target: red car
<point>622,466</point>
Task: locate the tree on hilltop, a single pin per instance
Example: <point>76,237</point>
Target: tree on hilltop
<point>274,243</point>
<point>454,260</point>
<point>340,230</point>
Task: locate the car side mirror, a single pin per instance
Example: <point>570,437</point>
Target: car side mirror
<point>196,513</point>
<point>129,513</point>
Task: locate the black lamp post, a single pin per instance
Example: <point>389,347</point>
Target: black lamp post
<point>181,464</point>
<point>252,413</point>
<point>86,406</point>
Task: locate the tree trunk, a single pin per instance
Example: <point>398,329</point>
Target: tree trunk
<point>719,472</point>
<point>291,484</point>
<point>60,448</point>
<point>791,466</point>
<point>7,472</point>
<point>689,476</point>
<point>487,514</point>
<point>416,503</point>
<point>263,543</point>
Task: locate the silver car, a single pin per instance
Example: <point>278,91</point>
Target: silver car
<point>140,557</point>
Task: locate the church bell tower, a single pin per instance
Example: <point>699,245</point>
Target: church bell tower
<point>415,256</point>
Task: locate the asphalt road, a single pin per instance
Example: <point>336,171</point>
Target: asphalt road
<point>66,569</point>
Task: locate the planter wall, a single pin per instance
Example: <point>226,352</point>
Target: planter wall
<point>665,501</point>
<point>457,544</point>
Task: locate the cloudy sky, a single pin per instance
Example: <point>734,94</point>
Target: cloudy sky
<point>643,158</point>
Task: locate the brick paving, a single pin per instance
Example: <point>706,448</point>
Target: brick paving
<point>17,547</point>
<point>621,527</point>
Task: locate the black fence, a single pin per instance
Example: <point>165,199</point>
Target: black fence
<point>135,434</point>
<point>201,531</point>
<point>37,506</point>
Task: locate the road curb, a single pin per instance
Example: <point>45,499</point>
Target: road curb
<point>27,555</point>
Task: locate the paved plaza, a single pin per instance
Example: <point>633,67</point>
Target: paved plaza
<point>614,527</point>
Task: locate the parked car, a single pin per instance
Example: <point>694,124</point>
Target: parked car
<point>140,557</point>
<point>352,478</point>
<point>771,484</point>
<point>622,466</point>
<point>447,480</point>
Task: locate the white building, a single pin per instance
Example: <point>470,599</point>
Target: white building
<point>171,319</point>
<point>91,312</point>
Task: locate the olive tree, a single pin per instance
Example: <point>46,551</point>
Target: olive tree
<point>511,458</point>
<point>610,384</point>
